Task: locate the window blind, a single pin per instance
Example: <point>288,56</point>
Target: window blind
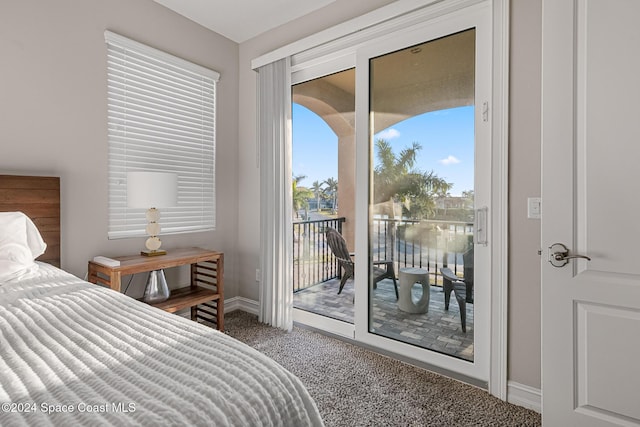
<point>161,118</point>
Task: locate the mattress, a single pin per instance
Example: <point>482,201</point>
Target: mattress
<point>75,353</point>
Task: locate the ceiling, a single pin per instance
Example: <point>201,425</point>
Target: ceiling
<point>435,75</point>
<point>240,20</point>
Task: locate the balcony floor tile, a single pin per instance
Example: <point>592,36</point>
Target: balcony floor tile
<point>438,330</point>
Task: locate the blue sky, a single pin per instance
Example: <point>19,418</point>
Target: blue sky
<point>446,137</point>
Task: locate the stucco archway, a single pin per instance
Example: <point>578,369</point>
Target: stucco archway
<point>432,76</point>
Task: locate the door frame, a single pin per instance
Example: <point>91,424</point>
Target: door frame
<point>317,55</point>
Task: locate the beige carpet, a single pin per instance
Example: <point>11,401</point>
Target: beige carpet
<point>353,386</point>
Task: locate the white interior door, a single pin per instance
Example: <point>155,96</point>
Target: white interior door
<point>591,309</point>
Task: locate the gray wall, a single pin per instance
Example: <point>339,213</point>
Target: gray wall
<point>524,181</point>
<point>53,112</point>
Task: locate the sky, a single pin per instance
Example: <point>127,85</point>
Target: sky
<point>446,137</point>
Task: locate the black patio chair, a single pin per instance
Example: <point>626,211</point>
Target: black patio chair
<point>382,269</point>
<point>462,287</point>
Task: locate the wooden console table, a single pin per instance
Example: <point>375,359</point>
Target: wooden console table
<point>206,288</point>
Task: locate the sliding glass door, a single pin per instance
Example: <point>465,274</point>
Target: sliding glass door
<point>323,159</point>
<point>408,114</point>
<point>421,211</point>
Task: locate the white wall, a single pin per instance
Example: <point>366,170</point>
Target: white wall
<point>53,118</point>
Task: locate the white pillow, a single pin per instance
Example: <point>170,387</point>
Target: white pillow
<point>34,239</point>
<point>20,244</point>
<point>14,261</point>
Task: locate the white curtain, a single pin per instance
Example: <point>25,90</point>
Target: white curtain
<point>276,234</point>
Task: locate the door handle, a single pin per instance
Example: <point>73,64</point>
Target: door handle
<point>480,226</point>
<point>559,255</point>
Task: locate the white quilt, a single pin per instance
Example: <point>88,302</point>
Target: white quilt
<point>74,353</point>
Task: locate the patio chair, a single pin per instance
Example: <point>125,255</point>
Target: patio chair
<point>462,287</point>
<point>467,259</point>
<point>451,282</point>
<point>382,269</point>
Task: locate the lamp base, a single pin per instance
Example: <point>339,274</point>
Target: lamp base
<point>153,253</point>
<point>157,289</point>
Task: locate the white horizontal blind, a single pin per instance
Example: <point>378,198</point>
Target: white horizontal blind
<point>161,117</point>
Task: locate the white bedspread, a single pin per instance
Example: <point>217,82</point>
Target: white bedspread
<point>73,353</point>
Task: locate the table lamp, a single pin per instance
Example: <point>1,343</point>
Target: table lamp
<point>153,190</point>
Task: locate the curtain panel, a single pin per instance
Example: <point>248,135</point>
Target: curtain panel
<point>276,229</point>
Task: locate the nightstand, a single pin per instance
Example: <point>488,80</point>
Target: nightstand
<point>205,295</point>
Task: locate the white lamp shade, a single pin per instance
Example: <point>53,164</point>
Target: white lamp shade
<point>152,189</point>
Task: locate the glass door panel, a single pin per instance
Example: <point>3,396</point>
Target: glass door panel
<point>323,164</point>
<point>421,208</point>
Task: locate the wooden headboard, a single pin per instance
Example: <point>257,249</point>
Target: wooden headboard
<point>38,197</point>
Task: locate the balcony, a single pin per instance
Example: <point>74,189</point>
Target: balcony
<point>429,245</point>
<point>408,243</point>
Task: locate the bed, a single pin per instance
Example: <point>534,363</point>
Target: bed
<point>74,353</point>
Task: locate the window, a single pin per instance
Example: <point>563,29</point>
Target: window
<point>161,117</point>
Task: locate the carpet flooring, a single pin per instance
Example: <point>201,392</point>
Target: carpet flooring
<point>353,386</point>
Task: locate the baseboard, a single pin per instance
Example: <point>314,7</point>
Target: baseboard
<point>523,395</point>
<point>230,304</point>
<point>241,303</point>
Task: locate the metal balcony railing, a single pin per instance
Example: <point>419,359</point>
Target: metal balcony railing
<point>313,261</point>
<point>426,244</point>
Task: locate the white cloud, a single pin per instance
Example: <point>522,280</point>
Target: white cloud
<point>388,134</point>
<point>451,160</point>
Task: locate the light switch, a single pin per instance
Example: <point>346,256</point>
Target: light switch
<point>534,207</point>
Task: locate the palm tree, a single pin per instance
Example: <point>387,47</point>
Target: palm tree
<point>317,189</point>
<point>300,196</point>
<point>332,189</point>
<point>396,180</point>
<point>392,173</point>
